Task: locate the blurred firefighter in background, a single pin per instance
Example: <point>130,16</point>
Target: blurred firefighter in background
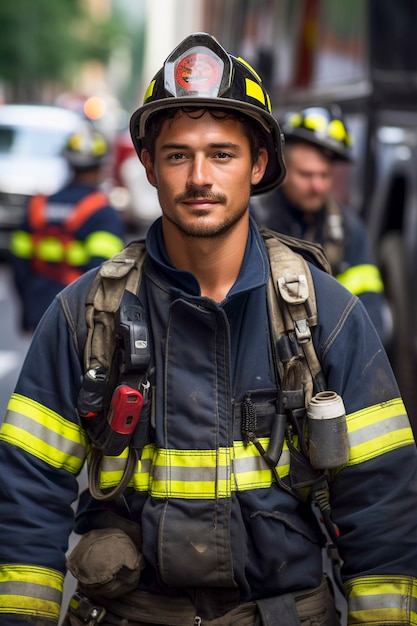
<point>64,235</point>
<point>316,137</point>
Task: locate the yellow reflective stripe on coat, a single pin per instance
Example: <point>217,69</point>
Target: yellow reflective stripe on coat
<point>103,243</point>
<point>30,590</point>
<point>50,249</point>
<point>382,600</point>
<point>378,429</point>
<point>44,434</point>
<point>205,474</point>
<point>75,253</point>
<point>21,244</point>
<point>362,279</point>
<point>217,473</point>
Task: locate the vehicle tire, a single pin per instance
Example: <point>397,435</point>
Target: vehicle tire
<point>400,348</point>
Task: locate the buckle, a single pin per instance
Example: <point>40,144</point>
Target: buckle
<point>88,613</point>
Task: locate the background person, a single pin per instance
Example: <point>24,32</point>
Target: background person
<point>315,138</point>
<point>206,526</point>
<point>68,233</point>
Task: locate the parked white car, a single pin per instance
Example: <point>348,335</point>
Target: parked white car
<point>32,138</point>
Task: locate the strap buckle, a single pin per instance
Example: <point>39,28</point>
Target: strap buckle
<point>83,609</point>
<point>302,330</point>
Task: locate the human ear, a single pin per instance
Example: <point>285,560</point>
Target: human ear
<point>146,160</point>
<point>259,167</point>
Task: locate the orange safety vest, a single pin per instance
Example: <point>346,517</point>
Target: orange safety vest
<point>60,271</point>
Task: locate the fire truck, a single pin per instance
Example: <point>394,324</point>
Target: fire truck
<point>362,56</point>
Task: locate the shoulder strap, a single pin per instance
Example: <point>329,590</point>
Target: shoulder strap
<point>121,272</point>
<point>335,236</point>
<point>84,209</point>
<point>36,212</point>
<point>292,304</point>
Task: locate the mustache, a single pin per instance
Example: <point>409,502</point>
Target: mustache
<point>201,194</point>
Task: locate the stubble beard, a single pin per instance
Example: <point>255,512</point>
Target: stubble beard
<point>201,228</point>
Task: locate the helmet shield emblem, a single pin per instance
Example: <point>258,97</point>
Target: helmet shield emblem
<point>200,71</point>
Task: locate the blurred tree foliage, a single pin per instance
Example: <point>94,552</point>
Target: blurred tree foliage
<point>43,41</point>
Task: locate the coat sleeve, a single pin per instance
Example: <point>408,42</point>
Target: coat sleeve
<point>42,450</point>
<point>362,276</point>
<point>374,496</point>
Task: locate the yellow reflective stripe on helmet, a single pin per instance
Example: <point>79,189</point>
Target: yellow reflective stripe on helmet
<point>295,119</point>
<point>362,279</point>
<point>44,434</point>
<point>253,90</point>
<point>250,68</point>
<point>337,130</point>
<point>382,600</point>
<point>104,244</point>
<point>268,103</point>
<point>149,90</point>
<point>21,244</point>
<point>76,253</point>
<point>316,121</point>
<point>378,429</point>
<point>50,249</point>
<point>30,590</point>
<point>196,473</point>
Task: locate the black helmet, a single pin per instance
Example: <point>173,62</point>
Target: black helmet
<point>86,148</point>
<point>200,72</point>
<point>322,127</point>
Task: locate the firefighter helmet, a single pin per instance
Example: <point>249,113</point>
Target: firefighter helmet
<point>321,126</point>
<point>199,72</point>
<point>86,148</point>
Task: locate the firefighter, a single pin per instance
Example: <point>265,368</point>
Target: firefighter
<point>315,139</point>
<point>64,235</point>
<point>194,428</point>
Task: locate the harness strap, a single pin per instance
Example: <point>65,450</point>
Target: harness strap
<point>59,270</point>
<point>36,212</point>
<point>292,305</point>
<point>80,213</point>
<point>84,209</point>
<point>122,272</point>
<point>335,236</point>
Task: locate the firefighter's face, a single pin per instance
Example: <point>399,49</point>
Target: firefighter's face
<point>309,177</point>
<point>203,172</point>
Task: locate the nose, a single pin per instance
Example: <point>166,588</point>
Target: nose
<point>199,174</point>
<point>319,183</point>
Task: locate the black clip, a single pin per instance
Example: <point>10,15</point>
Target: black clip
<point>83,609</point>
<point>132,335</point>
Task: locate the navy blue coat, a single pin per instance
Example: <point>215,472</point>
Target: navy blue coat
<point>209,509</point>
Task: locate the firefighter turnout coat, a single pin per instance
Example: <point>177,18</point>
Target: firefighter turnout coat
<point>212,518</point>
<point>62,237</point>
